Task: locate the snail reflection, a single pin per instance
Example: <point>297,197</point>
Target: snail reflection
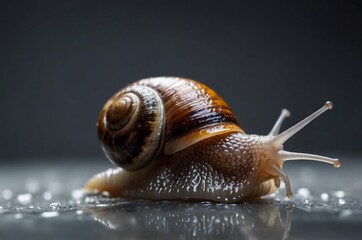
<point>187,220</point>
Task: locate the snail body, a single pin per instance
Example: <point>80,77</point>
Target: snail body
<point>175,138</point>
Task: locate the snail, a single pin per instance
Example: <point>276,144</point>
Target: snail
<point>175,138</point>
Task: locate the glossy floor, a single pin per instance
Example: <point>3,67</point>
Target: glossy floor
<point>41,201</point>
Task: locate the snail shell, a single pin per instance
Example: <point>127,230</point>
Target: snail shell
<point>175,138</point>
<point>160,115</point>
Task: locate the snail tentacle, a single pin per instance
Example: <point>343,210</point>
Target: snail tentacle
<point>275,130</point>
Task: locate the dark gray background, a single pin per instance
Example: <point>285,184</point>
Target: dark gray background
<point>61,60</point>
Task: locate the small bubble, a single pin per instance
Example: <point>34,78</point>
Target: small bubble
<point>47,195</point>
<point>324,196</point>
<point>24,198</point>
<point>7,194</point>
<point>304,192</point>
<point>49,214</point>
<point>55,205</point>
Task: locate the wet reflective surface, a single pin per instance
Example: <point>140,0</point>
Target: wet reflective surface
<point>41,201</point>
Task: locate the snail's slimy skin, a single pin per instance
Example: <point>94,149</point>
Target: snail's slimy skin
<point>217,169</point>
<point>176,138</point>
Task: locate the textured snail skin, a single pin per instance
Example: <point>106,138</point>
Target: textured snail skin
<point>175,138</point>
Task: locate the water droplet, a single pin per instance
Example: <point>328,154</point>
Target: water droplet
<point>24,198</point>
<point>304,192</point>
<point>102,205</point>
<point>18,216</point>
<point>77,194</point>
<point>54,187</point>
<point>47,195</point>
<point>49,214</point>
<point>7,194</point>
<point>32,185</point>
<point>346,213</point>
<point>105,194</point>
<point>339,194</point>
<point>324,196</point>
<point>79,212</point>
<point>55,205</point>
<point>341,201</point>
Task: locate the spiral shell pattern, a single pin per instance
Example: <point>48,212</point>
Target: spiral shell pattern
<point>130,127</point>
